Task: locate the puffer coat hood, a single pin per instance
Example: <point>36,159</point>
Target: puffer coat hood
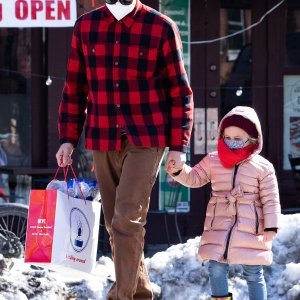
<point>250,114</point>
<point>244,202</point>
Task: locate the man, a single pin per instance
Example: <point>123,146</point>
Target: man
<point>126,81</point>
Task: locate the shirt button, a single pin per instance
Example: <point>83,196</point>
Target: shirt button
<point>118,105</point>
<point>117,85</point>
<point>117,41</point>
<point>117,126</point>
<point>93,50</point>
<point>141,53</point>
<point>116,63</point>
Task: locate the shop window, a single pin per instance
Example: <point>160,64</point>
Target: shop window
<point>235,59</point>
<point>15,85</point>
<point>85,160</point>
<point>291,118</point>
<point>84,6</point>
<point>292,40</point>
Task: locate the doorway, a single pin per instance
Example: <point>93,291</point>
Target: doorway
<point>227,69</point>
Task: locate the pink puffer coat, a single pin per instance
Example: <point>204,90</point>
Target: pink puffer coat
<point>244,201</point>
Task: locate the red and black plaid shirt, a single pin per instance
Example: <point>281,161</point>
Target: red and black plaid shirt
<point>126,75</point>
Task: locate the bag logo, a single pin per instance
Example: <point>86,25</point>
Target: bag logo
<point>79,230</point>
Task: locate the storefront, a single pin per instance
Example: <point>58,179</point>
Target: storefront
<point>236,53</point>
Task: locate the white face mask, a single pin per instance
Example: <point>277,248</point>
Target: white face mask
<point>119,10</point>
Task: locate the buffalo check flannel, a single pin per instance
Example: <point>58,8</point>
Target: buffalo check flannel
<point>126,75</point>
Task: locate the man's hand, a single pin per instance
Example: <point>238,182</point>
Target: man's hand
<point>171,170</point>
<point>269,236</point>
<point>63,155</point>
<point>175,161</point>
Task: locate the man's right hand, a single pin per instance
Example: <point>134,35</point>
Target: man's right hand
<point>63,155</point>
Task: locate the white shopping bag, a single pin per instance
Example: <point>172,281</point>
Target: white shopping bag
<point>62,231</point>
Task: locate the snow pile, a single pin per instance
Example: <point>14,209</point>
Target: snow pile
<point>181,275</point>
<point>176,274</point>
<point>19,282</point>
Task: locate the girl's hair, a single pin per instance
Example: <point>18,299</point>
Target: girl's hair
<point>252,140</point>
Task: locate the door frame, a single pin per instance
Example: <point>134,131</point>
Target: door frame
<point>267,73</point>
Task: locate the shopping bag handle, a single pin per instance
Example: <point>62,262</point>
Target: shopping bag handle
<point>66,171</point>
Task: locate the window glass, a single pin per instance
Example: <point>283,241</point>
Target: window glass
<point>85,160</point>
<point>15,73</point>
<point>83,6</point>
<point>292,38</point>
<point>235,59</point>
<point>291,113</point>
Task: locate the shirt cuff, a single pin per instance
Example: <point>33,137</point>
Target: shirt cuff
<point>183,149</point>
<point>68,140</point>
<point>177,173</point>
<point>271,229</point>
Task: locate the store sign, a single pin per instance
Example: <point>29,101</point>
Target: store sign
<point>205,141</point>
<point>291,138</point>
<point>37,13</point>
<point>171,192</point>
<point>179,12</point>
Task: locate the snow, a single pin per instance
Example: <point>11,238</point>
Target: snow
<point>176,274</point>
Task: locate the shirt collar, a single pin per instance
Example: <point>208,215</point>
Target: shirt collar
<point>127,20</point>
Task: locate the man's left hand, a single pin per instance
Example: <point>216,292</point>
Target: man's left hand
<point>176,160</point>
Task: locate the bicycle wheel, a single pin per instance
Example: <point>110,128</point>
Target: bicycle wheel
<point>13,217</point>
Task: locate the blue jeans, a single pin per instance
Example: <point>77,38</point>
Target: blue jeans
<point>218,274</point>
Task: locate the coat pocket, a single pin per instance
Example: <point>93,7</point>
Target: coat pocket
<point>250,219</point>
<point>210,215</point>
<point>259,224</point>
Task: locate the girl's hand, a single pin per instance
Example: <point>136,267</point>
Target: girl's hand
<point>170,168</point>
<point>176,159</point>
<point>269,236</point>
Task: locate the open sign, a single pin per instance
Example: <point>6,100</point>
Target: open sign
<point>37,13</point>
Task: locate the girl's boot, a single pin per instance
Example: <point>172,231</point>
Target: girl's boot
<point>228,297</point>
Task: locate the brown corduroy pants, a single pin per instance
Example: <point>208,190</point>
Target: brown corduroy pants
<point>126,178</point>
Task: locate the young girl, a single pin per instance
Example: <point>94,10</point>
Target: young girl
<point>243,212</point>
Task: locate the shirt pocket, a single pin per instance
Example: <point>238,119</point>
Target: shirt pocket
<point>141,62</point>
<point>96,56</point>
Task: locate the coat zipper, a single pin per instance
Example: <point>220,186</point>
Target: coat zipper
<point>235,217</point>
<point>212,221</point>
<point>234,175</point>
<point>256,220</point>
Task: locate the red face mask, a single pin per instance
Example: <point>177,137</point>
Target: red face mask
<point>230,158</point>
